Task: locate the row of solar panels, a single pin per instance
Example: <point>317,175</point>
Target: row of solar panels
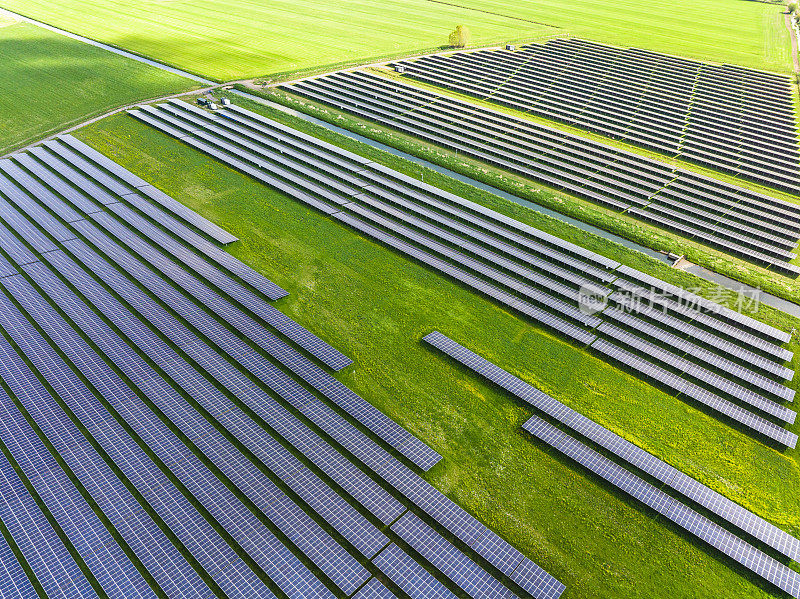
<point>728,78</point>
<point>717,357</point>
<point>707,498</point>
<point>645,168</point>
<point>630,97</point>
<point>677,86</point>
<point>49,174</point>
<point>756,95</point>
<point>758,228</point>
<point>725,146</point>
<point>155,363</point>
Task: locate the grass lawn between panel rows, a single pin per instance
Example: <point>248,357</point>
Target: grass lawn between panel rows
<point>578,208</point>
<point>375,305</point>
<point>49,82</point>
<point>236,39</point>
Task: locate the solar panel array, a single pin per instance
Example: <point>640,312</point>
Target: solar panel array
<point>715,357</point>
<point>736,120</point>
<point>685,517</point>
<point>164,435</point>
<point>754,226</point>
<point>697,492</point>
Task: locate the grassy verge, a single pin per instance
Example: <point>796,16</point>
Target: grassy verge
<point>582,210</point>
<point>374,305</point>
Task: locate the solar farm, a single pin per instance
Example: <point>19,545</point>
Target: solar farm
<point>378,317</point>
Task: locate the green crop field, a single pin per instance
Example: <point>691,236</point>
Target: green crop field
<point>598,542</point>
<point>49,82</point>
<point>234,39</point>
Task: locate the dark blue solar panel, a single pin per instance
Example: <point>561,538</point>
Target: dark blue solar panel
<point>634,455</point>
<point>374,590</point>
<point>28,231</point>
<point>149,543</point>
<point>101,553</point>
<point>448,559</point>
<point>33,187</point>
<point>59,185</point>
<point>41,547</point>
<point>68,173</point>
<point>80,163</point>
<point>263,310</point>
<point>208,249</point>
<point>744,553</point>
<point>347,521</point>
<point>407,574</point>
<point>359,408</point>
<point>250,480</point>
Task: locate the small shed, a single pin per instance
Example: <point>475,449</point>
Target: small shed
<point>400,68</point>
<point>225,102</point>
<point>511,47</point>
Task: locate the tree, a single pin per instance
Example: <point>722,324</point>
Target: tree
<point>791,8</point>
<point>460,37</point>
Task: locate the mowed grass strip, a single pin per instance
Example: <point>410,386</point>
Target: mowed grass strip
<point>235,39</point>
<point>375,305</point>
<point>49,82</point>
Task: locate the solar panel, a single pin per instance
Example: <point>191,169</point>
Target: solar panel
<point>43,550</point>
<point>374,590</point>
<point>169,502</point>
<point>646,462</point>
<point>409,191</point>
<point>596,87</point>
<point>208,249</point>
<point>343,90</point>
<point>407,574</point>
<point>299,528</point>
<point>347,521</point>
<point>449,560</point>
<point>703,528</point>
<point>359,408</point>
<point>142,186</point>
<point>33,187</point>
<point>98,549</point>
<point>53,181</point>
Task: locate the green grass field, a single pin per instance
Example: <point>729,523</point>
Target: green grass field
<point>235,39</point>
<point>594,539</point>
<point>49,82</point>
